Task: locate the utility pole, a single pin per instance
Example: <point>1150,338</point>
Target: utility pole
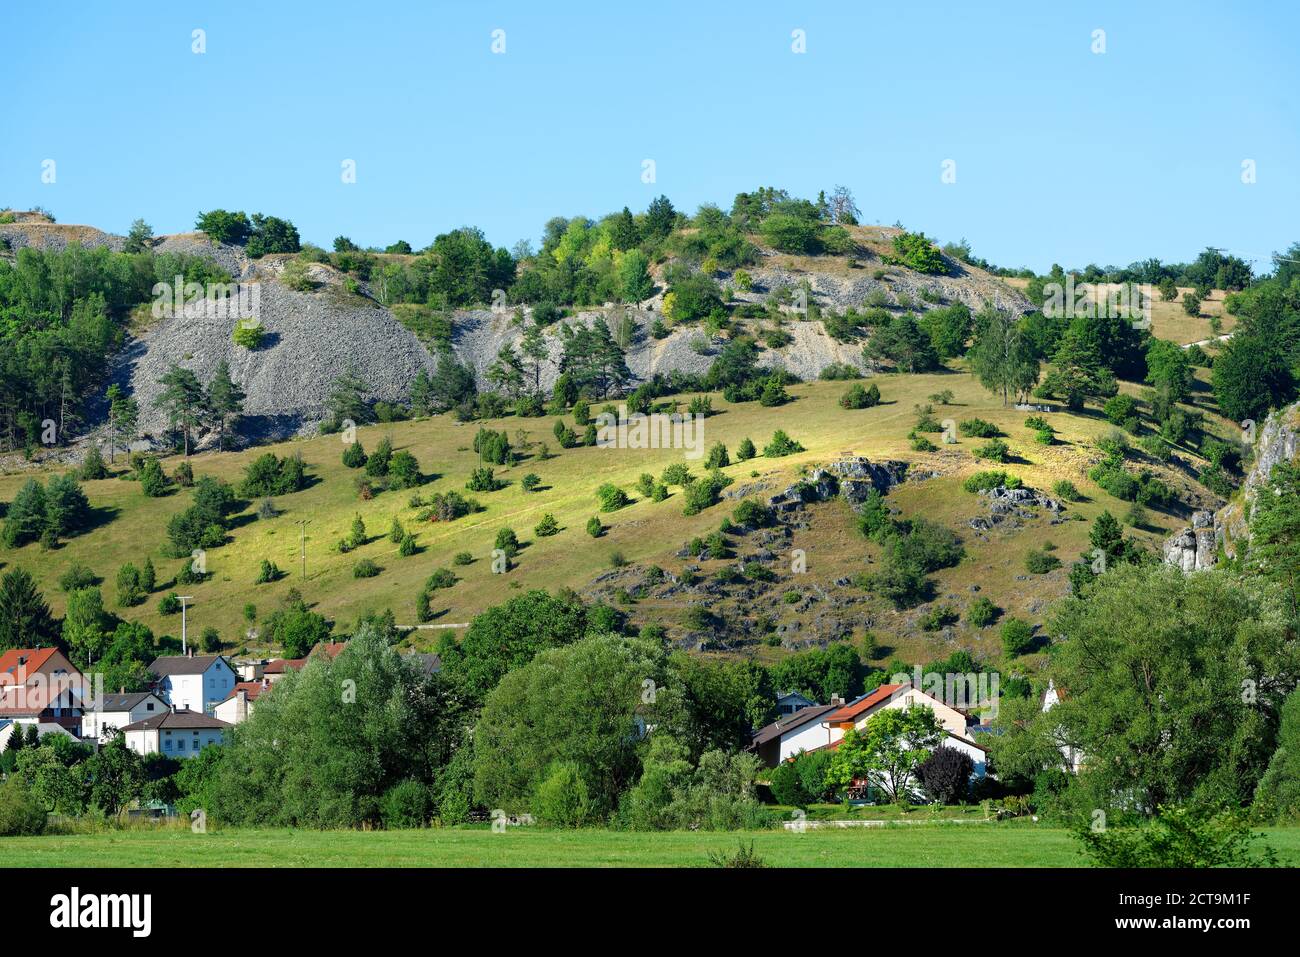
<point>302,545</point>
<point>184,641</point>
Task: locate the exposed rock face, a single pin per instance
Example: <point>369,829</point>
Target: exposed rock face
<point>852,478</point>
<point>1197,546</point>
<point>1004,503</point>
<point>1193,548</point>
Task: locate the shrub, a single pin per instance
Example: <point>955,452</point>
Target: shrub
<point>406,804</point>
<point>718,457</point>
<point>354,456</point>
<point>561,798</point>
<point>1017,637</point>
<point>441,578</point>
<point>594,527</point>
<point>365,568</point>
<point>990,479</point>
<point>860,398</point>
<point>378,461</point>
<point>994,451</point>
<point>508,542</point>
<point>938,618</point>
<point>745,451</point>
<point>547,527</point>
<point>403,470</point>
<point>78,576</point>
<point>703,493</point>
<point>781,445</point>
<point>93,466</point>
<point>462,558</point>
<point>676,474</point>
<point>611,497</point>
<point>978,429</point>
<point>482,480</point>
<point>169,604</point>
<point>268,572</point>
<point>1040,562</point>
<point>247,334</point>
<point>406,547</point>
<point>21,814</point>
<point>981,613</point>
<point>1066,491</point>
<point>752,514</point>
<point>1121,410</point>
<point>531,482</point>
<point>129,590</point>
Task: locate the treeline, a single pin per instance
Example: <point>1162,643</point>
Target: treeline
<point>62,316</point>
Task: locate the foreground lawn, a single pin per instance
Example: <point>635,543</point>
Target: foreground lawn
<point>926,845</point>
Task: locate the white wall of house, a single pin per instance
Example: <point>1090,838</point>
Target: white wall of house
<point>978,757</point>
<point>234,709</point>
<point>177,743</point>
<point>199,692</point>
<point>95,724</point>
<point>814,734</point>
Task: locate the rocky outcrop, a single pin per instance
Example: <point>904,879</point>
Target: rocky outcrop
<point>1193,548</point>
<point>1004,503</point>
<point>1197,546</point>
<point>852,478</point>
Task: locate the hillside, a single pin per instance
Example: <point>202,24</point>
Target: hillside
<point>646,534</point>
<point>313,336</point>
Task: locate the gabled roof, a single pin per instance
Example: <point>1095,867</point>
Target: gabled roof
<point>791,722</point>
<point>184,664</point>
<point>252,689</point>
<point>280,665</point>
<point>31,660</point>
<point>125,702</point>
<point>177,721</point>
<point>29,682</point>
<point>854,709</point>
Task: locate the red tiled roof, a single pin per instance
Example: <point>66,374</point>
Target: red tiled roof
<point>855,708</point>
<point>281,665</point>
<point>32,659</point>
<point>251,688</point>
<point>28,685</point>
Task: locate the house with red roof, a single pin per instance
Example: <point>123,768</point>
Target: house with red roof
<point>277,669</point>
<point>41,686</point>
<point>239,705</point>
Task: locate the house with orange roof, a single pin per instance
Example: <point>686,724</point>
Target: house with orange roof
<point>239,705</point>
<point>41,686</point>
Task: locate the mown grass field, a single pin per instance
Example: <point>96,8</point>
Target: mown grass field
<point>131,526</point>
<point>1014,844</point>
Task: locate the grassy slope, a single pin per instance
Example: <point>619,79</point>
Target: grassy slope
<point>645,532</point>
<point>1017,844</point>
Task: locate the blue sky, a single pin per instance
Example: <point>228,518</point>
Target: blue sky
<point>1062,155</point>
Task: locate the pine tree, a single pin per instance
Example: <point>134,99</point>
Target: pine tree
<point>182,399</point>
<point>25,620</point>
<point>224,401</point>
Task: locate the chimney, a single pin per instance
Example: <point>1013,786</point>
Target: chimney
<point>122,690</point>
<point>837,699</point>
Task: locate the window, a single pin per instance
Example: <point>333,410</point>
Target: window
<point>148,706</point>
<point>167,745</point>
<point>180,744</point>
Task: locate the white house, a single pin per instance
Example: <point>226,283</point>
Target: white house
<point>116,711</point>
<point>1051,698</point>
<point>792,701</point>
<point>193,682</point>
<point>239,705</point>
<point>177,734</point>
<point>791,733</point>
